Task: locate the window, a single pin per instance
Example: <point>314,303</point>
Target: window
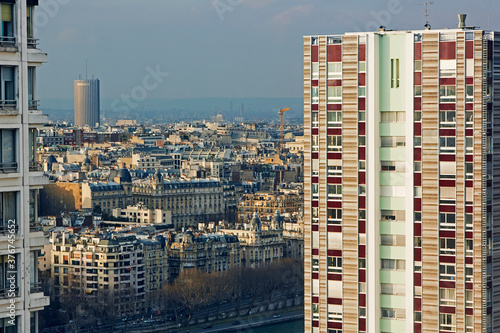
<point>361,91</point>
<point>392,141</point>
<point>8,210</point>
<point>32,104</point>
<point>315,94</point>
<point>394,73</point>
<point>447,221</point>
<point>392,116</point>
<point>314,119</point>
<point>447,93</point>
<point>8,160</point>
<point>392,289</point>
<point>334,94</point>
<point>446,322</point>
<point>334,118</point>
<point>447,271</point>
<point>469,144</point>
<point>447,246</point>
<point>392,264</point>
<point>334,190</point>
<point>447,117</point>
<point>7,92</point>
<point>335,170</point>
<point>418,65</point>
<point>315,70</point>
<point>334,70</point>
<point>447,144</point>
<point>334,216</point>
<point>315,143</point>
<point>334,142</point>
<point>469,93</point>
<point>418,91</point>
<point>362,66</point>
<point>335,264</point>
<point>7,38</point>
<point>315,190</point>
<point>8,265</point>
<point>392,240</point>
<point>446,296</point>
<point>392,215</point>
<point>388,313</point>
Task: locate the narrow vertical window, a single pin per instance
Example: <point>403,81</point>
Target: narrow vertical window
<point>392,73</point>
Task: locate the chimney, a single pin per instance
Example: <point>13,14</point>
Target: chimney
<point>461,21</point>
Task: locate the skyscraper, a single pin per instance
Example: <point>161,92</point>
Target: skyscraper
<point>402,171</point>
<point>21,176</point>
<point>87,102</point>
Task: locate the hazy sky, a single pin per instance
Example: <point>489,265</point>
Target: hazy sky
<point>212,48</point>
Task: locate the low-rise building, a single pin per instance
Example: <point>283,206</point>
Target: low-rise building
<point>139,213</point>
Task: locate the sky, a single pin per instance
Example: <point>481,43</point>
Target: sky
<point>212,48</point>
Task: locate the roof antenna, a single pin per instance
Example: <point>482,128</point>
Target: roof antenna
<point>86,68</point>
<point>427,10</point>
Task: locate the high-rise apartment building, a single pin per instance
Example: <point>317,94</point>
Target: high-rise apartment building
<point>21,175</point>
<point>402,170</point>
<point>87,102</point>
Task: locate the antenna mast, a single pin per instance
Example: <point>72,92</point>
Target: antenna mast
<point>86,68</point>
<point>426,11</point>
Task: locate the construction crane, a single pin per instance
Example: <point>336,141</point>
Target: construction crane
<point>281,111</point>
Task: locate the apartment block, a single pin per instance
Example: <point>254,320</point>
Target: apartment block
<point>21,176</point>
<point>402,171</point>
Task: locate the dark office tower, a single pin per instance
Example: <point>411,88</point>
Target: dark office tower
<point>87,102</point>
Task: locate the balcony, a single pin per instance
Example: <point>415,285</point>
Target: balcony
<point>35,166</point>
<point>33,104</point>
<point>10,167</point>
<point>32,43</point>
<point>37,117</point>
<point>8,41</point>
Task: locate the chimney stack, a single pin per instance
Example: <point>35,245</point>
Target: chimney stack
<point>461,21</point>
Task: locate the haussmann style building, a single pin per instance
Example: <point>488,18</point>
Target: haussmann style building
<point>402,171</point>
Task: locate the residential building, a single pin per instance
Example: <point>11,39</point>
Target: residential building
<point>90,263</point>
<point>401,181</point>
<point>265,205</point>
<point>207,253</point>
<point>139,213</point>
<point>21,176</point>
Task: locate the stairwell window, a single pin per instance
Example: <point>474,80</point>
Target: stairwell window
<point>394,73</point>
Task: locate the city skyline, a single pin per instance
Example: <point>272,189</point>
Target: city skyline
<point>254,43</point>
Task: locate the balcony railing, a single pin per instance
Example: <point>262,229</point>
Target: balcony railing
<point>33,104</point>
<point>35,166</point>
<point>8,104</point>
<point>36,287</point>
<point>35,227</point>
<point>32,43</point>
<point>7,41</point>
<point>4,228</point>
<point>9,167</point>
<point>7,292</point>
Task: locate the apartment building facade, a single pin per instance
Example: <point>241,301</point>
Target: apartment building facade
<point>401,181</point>
<point>92,264</point>
<point>20,174</point>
